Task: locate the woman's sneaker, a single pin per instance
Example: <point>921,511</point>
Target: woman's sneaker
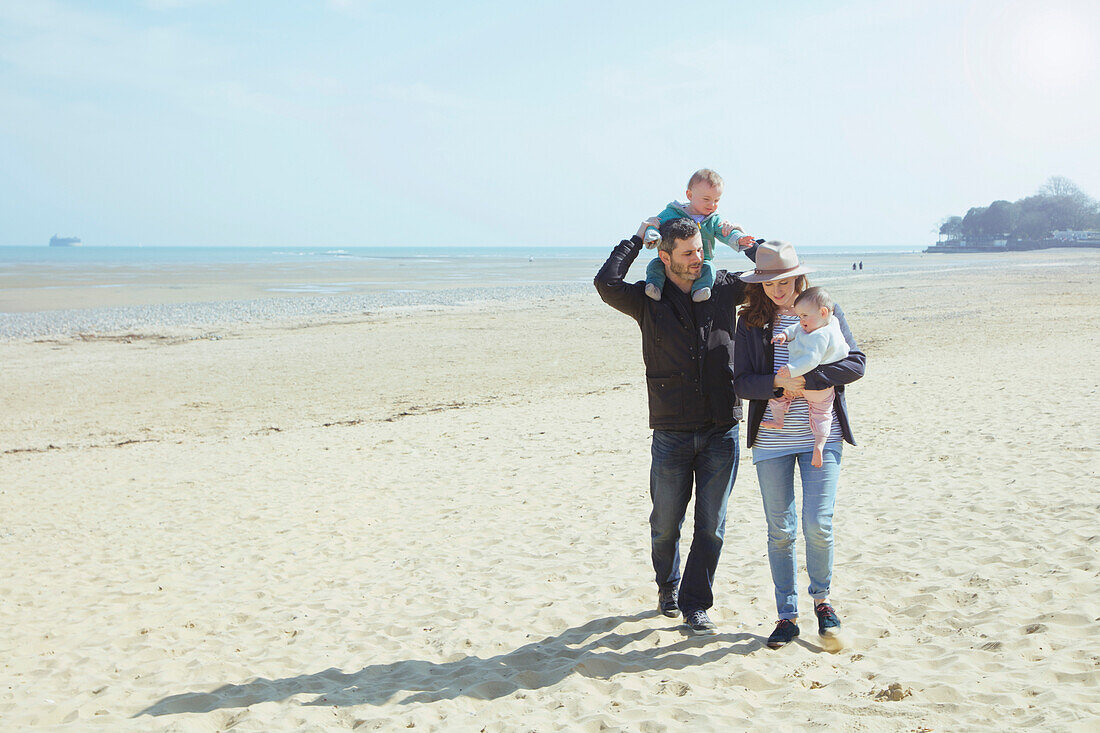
<point>827,622</point>
<point>785,632</point>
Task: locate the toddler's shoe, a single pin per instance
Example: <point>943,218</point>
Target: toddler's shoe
<point>653,291</point>
<point>652,238</point>
<point>700,295</point>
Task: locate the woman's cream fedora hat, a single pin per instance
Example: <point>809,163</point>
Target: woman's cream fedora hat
<point>775,260</point>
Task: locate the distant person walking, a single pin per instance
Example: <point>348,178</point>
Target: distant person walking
<point>759,376</point>
<point>687,347</point>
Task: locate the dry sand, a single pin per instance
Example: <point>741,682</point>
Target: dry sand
<point>437,519</point>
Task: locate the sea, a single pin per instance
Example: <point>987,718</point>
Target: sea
<point>287,271</point>
<point>69,290</point>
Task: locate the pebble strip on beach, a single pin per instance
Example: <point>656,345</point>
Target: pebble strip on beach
<point>155,318</point>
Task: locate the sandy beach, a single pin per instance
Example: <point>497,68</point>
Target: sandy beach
<point>435,517</point>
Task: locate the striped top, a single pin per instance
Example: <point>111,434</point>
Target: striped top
<point>795,436</point>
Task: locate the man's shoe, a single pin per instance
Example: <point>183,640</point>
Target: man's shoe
<point>666,602</point>
<point>700,295</point>
<point>785,632</point>
<point>827,622</point>
<point>700,623</point>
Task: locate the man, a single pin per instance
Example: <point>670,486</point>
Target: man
<point>687,348</point>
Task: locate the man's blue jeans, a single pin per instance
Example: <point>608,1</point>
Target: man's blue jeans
<point>709,458</point>
<point>776,476</point>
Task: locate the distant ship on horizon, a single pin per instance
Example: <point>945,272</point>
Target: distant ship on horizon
<point>56,241</point>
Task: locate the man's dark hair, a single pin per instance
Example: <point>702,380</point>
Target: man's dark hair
<point>817,297</point>
<point>674,230</point>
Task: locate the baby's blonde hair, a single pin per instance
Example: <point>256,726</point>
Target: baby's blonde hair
<point>818,297</point>
<point>706,175</point>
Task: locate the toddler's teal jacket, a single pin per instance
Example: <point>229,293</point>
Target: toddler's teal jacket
<point>710,228</point>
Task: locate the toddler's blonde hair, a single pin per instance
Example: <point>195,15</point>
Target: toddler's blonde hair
<point>706,175</point>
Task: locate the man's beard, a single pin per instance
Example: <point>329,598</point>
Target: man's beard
<point>684,272</point>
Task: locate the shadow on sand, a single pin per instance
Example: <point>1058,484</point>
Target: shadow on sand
<point>590,650</point>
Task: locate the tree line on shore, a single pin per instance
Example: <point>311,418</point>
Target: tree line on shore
<point>1058,205</point>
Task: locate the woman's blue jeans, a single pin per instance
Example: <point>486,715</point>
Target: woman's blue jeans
<point>776,476</point>
<point>709,458</point>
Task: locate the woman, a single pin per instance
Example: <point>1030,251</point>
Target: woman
<point>774,285</point>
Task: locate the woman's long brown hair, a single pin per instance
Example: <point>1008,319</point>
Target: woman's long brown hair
<point>759,310</point>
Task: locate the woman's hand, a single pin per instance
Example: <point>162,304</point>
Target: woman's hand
<point>792,386</point>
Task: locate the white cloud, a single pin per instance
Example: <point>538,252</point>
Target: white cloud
<point>351,7</point>
<point>123,65</point>
<point>96,48</point>
<point>419,93</point>
<point>178,4</point>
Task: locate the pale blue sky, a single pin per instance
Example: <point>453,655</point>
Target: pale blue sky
<point>199,122</point>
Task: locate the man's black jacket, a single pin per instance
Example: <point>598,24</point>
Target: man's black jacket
<point>687,348</point>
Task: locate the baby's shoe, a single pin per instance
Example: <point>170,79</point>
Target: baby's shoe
<point>653,291</point>
<point>651,239</point>
<point>772,424</point>
<point>700,295</point>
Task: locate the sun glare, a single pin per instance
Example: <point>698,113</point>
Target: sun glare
<point>1061,46</point>
<point>1028,56</point>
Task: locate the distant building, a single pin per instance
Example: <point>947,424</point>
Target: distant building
<point>1073,235</point>
<point>1061,238</point>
